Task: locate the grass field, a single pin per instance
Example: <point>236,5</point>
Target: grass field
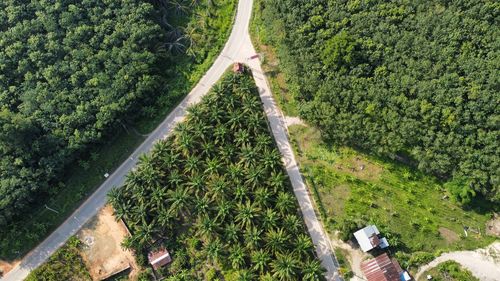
<point>449,271</point>
<point>412,209</point>
<point>84,176</point>
<point>65,264</point>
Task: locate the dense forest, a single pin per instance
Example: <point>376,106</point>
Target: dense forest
<point>73,72</point>
<point>416,81</point>
<point>216,195</point>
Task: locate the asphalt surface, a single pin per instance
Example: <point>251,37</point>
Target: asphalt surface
<point>238,48</point>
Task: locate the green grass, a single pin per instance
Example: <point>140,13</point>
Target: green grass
<point>449,271</point>
<point>344,266</point>
<point>406,204</point>
<point>270,64</point>
<point>65,264</point>
<point>84,176</point>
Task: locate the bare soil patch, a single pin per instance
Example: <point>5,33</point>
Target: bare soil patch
<point>102,252</point>
<point>449,235</point>
<point>360,168</point>
<point>493,226</point>
<point>7,266</point>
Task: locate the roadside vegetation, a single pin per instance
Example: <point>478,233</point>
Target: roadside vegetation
<point>216,195</point>
<point>65,264</point>
<point>449,271</point>
<point>352,187</point>
<point>162,49</point>
<point>403,80</point>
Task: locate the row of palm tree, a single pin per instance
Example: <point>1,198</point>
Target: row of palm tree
<point>216,195</point>
<point>184,39</point>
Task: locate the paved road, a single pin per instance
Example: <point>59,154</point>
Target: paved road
<point>280,133</point>
<point>237,48</point>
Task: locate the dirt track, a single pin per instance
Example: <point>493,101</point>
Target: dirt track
<point>482,263</point>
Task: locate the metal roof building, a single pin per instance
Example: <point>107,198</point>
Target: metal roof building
<point>368,238</point>
<point>159,258</point>
<point>382,268</point>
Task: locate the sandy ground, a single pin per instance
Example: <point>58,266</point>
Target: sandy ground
<point>493,226</point>
<point>354,255</point>
<point>289,120</point>
<point>482,263</point>
<point>7,266</point>
<point>102,252</point>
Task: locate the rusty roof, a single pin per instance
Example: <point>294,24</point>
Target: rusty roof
<point>381,268</point>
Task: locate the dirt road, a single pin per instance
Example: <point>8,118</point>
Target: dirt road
<point>482,263</point>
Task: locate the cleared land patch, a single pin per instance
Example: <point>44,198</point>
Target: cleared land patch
<point>101,246</point>
<point>356,189</point>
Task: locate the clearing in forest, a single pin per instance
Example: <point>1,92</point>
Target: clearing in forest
<point>413,210</point>
<point>215,194</point>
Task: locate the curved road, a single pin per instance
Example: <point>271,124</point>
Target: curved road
<point>483,263</point>
<point>238,48</point>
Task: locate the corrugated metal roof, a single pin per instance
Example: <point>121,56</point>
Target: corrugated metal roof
<point>381,268</point>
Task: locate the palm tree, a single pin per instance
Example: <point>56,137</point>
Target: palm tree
<point>267,277</point>
<point>240,193</point>
<point>312,270</point>
<point>272,160</point>
<point>292,223</point>
<point>179,7</point>
<point>277,181</point>
<point>227,153</point>
<point>231,232</point>
<point>175,179</point>
<point>254,177</point>
<point>303,245</point>
<point>206,228</point>
<point>115,197</point>
<point>235,119</point>
<point>276,240</point>
<point>207,148</point>
<point>245,275</point>
<point>248,156</point>
<point>251,104</point>
<point>173,47</point>
<point>179,201</point>
<point>235,171</point>
<point>237,257</point>
<point>213,250</point>
<point>158,198</point>
<point>220,134</point>
<point>247,213</point>
<point>242,137</point>
<point>270,219</point>
<point>252,238</point>
<point>223,210</point>
<point>192,164</point>
<point>262,141</point>
<point>143,234</point>
<point>186,143</point>
<point>262,197</point>
<point>285,202</point>
<point>260,260</point>
<point>202,205</point>
<point>165,219</point>
<point>197,184</point>
<point>193,37</point>
<point>217,188</point>
<point>284,267</point>
<point>212,166</point>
